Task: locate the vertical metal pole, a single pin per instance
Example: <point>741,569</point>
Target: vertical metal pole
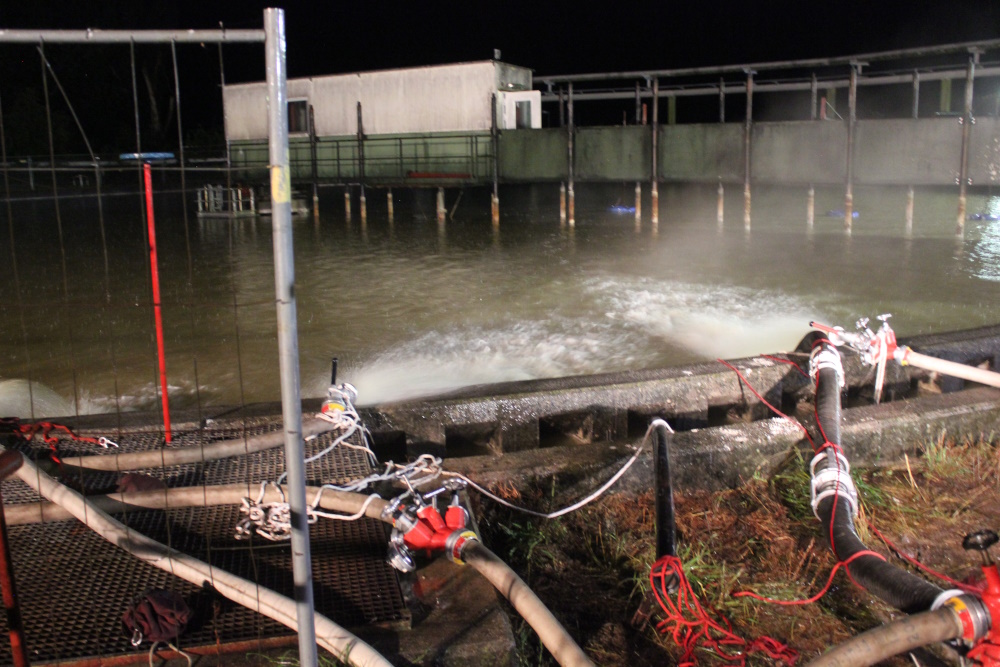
<point>495,136</point>
<point>909,211</point>
<point>747,131</point>
<point>389,206</point>
<point>222,83</point>
<point>655,188</point>
<point>638,204</point>
<point>562,109</point>
<point>562,203</point>
<point>916,94</point>
<point>813,93</point>
<point>361,166</point>
<point>288,344</point>
<point>441,210</point>
<point>312,156</point>
<point>963,174</point>
<point>638,104</point>
<point>571,204</point>
<point>811,206</point>
<point>852,116</point>
<point>722,100</point>
<point>10,461</point>
<point>720,205</point>
<point>180,146</point>
<point>147,175</point>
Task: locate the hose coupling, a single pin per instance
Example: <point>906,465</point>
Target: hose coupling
<point>971,612</point>
<point>833,479</point>
<point>827,357</point>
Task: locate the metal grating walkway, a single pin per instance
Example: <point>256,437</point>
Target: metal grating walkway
<point>73,586</point>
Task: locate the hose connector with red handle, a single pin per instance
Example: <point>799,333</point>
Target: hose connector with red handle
<point>421,527</point>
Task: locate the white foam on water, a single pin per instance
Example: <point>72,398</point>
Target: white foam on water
<point>623,323</point>
<point>987,252</point>
<point>19,399</point>
<point>710,320</point>
<point>440,361</point>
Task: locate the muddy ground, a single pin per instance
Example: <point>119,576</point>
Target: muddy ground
<point>592,567</point>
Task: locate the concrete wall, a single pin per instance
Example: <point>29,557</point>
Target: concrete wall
<point>533,155</point>
<point>798,152</point>
<point>907,151</point>
<point>893,152</point>
<point>701,152</point>
<point>613,153</point>
<point>924,151</point>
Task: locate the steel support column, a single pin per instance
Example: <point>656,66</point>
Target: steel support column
<point>288,343</point>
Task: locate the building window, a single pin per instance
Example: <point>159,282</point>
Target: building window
<point>298,116</point>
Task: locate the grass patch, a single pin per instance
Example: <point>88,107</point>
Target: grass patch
<point>592,567</point>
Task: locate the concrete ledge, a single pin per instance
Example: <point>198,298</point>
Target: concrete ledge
<point>726,456</point>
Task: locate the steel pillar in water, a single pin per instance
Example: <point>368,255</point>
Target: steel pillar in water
<point>722,100</point>
<point>852,117</point>
<point>362,202</point>
<point>963,174</point>
<point>312,160</point>
<point>654,189</point>
<point>747,131</point>
<point>441,210</point>
<point>347,203</point>
<point>638,203</point>
<point>909,210</point>
<point>495,139</point>
<point>811,206</point>
<point>720,205</point>
<point>569,150</point>
<point>388,202</point>
<point>562,203</point>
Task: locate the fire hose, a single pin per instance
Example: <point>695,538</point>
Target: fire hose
<point>936,615</point>
<point>66,503</point>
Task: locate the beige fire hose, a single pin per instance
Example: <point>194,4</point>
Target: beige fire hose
<point>907,357</point>
<point>552,634</point>
<point>170,456</point>
<point>341,643</point>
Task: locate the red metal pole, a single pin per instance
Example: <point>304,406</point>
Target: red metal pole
<point>10,461</point>
<point>148,180</point>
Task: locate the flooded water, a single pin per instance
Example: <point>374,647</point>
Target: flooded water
<point>412,308</point>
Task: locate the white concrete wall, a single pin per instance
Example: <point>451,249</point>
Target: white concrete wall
<point>446,98</point>
<point>508,116</point>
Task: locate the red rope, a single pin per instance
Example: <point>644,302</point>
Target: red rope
<point>822,592</point>
<point>762,400</point>
<point>27,432</point>
<point>913,561</point>
<point>691,627</point>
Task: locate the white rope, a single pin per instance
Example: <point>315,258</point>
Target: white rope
<point>577,505</point>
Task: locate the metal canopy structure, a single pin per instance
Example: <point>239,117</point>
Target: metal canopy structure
<point>684,82</point>
<point>93,36</point>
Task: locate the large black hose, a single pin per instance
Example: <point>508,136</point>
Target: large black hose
<point>903,590</point>
<point>666,525</point>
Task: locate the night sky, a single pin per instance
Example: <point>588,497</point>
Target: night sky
<point>327,37</point>
<point>550,37</point>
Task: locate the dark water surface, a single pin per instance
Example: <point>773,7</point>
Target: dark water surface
<point>413,307</point>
